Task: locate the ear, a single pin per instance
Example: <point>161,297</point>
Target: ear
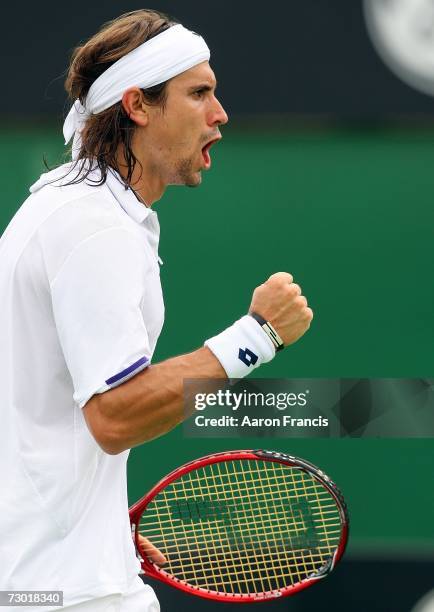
<point>135,107</point>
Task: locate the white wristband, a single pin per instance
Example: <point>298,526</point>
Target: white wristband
<point>242,347</point>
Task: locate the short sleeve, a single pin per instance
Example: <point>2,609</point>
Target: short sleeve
<point>96,297</point>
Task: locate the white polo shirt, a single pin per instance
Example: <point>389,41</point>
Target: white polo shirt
<point>81,311</point>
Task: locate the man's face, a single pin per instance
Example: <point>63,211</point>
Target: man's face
<point>177,139</point>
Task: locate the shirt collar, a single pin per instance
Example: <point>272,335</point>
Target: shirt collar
<point>126,198</point>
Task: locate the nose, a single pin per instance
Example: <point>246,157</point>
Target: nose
<point>218,114</point>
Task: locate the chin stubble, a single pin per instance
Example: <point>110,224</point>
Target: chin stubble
<point>186,175</point>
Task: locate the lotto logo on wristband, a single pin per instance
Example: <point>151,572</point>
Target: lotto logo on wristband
<point>247,356</point>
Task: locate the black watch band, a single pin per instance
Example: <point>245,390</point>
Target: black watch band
<point>269,330</point>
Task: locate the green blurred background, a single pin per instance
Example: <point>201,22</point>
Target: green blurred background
<point>350,214</point>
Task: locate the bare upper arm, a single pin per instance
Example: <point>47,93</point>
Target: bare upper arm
<point>99,425</point>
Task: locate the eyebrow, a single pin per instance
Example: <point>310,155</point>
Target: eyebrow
<point>202,87</point>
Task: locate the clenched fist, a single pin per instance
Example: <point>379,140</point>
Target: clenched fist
<point>279,301</point>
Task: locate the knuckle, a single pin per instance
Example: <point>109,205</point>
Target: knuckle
<point>260,289</point>
<point>294,289</point>
<point>281,278</point>
<point>301,301</point>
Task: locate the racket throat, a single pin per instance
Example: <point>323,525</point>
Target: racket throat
<point>138,555</point>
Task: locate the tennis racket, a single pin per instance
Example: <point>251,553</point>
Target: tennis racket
<point>243,526</point>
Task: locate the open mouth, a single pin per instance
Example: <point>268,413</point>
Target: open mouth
<point>205,152</point>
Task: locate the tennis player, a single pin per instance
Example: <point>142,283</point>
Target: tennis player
<point>82,309</point>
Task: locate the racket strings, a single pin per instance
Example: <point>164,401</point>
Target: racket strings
<point>244,526</point>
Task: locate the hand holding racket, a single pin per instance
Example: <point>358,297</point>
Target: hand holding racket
<point>242,526</point>
<point>150,551</point>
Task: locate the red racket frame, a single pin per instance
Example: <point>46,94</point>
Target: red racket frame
<point>154,571</point>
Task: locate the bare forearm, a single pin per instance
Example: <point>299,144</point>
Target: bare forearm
<point>148,405</point>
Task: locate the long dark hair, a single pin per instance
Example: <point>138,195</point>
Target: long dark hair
<point>104,132</point>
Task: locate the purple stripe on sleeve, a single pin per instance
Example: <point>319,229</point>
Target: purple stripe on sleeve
<point>137,365</point>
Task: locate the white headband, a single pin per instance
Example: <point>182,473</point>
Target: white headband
<point>166,55</point>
